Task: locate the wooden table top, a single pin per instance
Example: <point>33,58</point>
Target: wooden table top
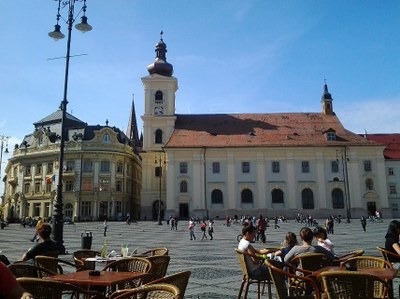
<point>106,278</point>
<point>384,273</point>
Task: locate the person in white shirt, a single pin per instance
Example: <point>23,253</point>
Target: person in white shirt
<point>321,236</point>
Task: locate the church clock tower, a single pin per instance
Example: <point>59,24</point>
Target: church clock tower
<point>159,101</point>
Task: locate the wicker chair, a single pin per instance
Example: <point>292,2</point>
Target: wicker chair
<point>180,280</point>
<point>81,255</point>
<point>159,267</point>
<point>154,291</point>
<point>28,270</point>
<point>386,254</point>
<point>49,263</point>
<point>156,251</point>
<point>311,261</point>
<point>289,285</point>
<point>132,264</point>
<point>248,279</point>
<point>337,261</point>
<point>367,262</point>
<point>47,289</point>
<point>352,285</point>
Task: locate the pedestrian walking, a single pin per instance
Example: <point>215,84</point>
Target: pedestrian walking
<point>105,225</point>
<point>364,223</point>
<point>211,229</point>
<point>203,228</point>
<point>191,229</point>
<point>38,224</point>
<point>261,227</point>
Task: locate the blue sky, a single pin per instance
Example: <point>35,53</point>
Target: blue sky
<point>231,56</point>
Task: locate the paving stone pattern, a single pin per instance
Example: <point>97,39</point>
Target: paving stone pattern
<point>215,270</point>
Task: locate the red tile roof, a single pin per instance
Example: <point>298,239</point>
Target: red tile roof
<point>392,141</point>
<point>260,130</point>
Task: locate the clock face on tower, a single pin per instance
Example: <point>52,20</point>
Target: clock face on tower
<point>158,110</point>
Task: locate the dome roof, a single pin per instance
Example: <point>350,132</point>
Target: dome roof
<point>160,65</point>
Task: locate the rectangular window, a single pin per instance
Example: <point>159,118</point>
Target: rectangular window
<point>69,186</point>
<point>38,169</point>
<point>158,171</point>
<point>49,167</point>
<point>391,171</point>
<point>87,185</point>
<point>118,206</point>
<point>331,136</point>
<point>48,187</point>
<point>215,167</point>
<point>87,166</point>
<point>334,166</point>
<point>27,188</point>
<point>86,209</point>
<point>105,166</point>
<point>275,166</point>
<point>183,167</point>
<point>104,185</point>
<point>118,186</point>
<point>37,187</point>
<point>392,189</point>
<point>245,167</point>
<point>27,170</point>
<point>367,165</point>
<point>120,167</point>
<point>70,166</point>
<point>305,166</point>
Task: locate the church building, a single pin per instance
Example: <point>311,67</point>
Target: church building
<point>219,165</point>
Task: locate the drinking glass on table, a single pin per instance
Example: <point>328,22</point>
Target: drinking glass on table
<point>124,250</point>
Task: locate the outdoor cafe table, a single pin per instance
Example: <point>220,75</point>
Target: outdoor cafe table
<point>387,274</point>
<point>105,279</point>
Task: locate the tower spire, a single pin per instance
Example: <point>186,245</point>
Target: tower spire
<point>326,100</point>
<point>132,131</point>
<point>160,65</point>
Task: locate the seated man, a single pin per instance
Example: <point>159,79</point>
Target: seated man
<point>9,287</point>
<point>45,245</point>
<point>255,268</point>
<point>306,236</point>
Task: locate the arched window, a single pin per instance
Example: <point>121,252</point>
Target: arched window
<point>277,196</point>
<point>183,187</point>
<point>369,184</point>
<point>68,211</point>
<point>216,197</point>
<point>337,198</point>
<point>307,198</point>
<point>158,97</point>
<point>247,196</point>
<point>106,138</point>
<point>158,136</point>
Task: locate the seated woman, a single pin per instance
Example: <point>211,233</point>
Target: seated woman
<point>45,245</point>
<point>289,242</point>
<point>321,236</point>
<point>306,236</point>
<point>392,242</point>
<point>254,265</point>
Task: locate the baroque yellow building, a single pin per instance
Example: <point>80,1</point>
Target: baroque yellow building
<point>101,172</point>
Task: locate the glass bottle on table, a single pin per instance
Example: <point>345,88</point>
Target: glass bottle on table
<point>104,249</point>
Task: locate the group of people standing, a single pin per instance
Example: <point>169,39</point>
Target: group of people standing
<point>204,227</point>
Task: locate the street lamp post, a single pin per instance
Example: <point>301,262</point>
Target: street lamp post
<point>160,170</point>
<point>344,158</point>
<point>58,221</point>
<point>3,139</point>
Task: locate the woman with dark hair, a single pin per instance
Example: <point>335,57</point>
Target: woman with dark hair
<point>253,263</point>
<point>321,236</point>
<point>46,244</point>
<point>392,242</point>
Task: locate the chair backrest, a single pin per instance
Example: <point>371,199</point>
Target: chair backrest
<point>132,264</point>
<point>288,283</point>
<point>156,251</point>
<point>388,255</point>
<point>154,291</point>
<point>311,261</point>
<point>180,280</point>
<point>159,266</point>
<point>337,261</point>
<point>367,262</point>
<point>47,289</point>
<point>49,263</point>
<point>242,262</point>
<point>28,270</point>
<point>352,285</point>
<point>81,255</point>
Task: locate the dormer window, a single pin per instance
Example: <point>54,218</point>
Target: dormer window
<point>331,135</point>
<point>106,138</point>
